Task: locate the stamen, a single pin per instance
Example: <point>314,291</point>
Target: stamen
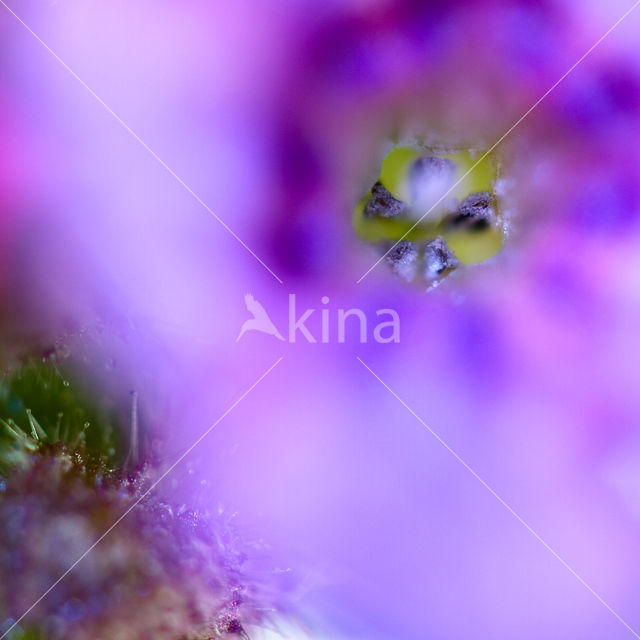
<point>383,204</point>
<point>476,212</point>
<point>439,260</point>
<point>404,260</point>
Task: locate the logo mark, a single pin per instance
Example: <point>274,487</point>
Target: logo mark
<point>386,330</point>
<point>260,321</point>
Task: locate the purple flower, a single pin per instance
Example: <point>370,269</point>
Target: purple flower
<point>279,119</point>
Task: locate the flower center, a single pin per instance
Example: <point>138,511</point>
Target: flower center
<point>431,213</point>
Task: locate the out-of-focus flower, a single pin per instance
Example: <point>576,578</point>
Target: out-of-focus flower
<point>524,364</point>
<point>164,570</point>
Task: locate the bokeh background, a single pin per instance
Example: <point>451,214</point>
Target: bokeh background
<point>118,120</point>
